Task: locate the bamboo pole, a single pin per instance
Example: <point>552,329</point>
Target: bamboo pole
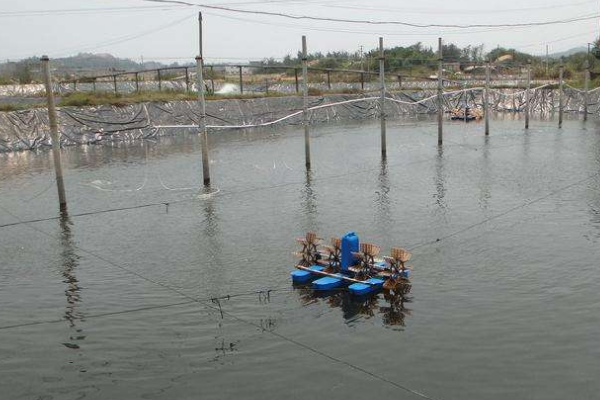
<point>586,95</point>
<point>382,99</point>
<point>53,120</point>
<point>561,95</point>
<point>305,120</point>
<point>440,96</point>
<point>486,98</point>
<point>342,277</point>
<point>528,95</point>
<point>201,100</point>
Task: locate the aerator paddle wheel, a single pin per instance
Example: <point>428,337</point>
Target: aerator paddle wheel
<point>366,258</point>
<point>309,254</point>
<point>333,255</point>
<point>398,282</point>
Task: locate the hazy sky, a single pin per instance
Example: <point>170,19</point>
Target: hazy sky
<point>135,28</point>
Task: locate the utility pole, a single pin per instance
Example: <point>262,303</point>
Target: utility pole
<point>53,120</point>
<point>305,120</point>
<point>382,99</point>
<point>440,95</point>
<point>202,118</point>
<point>486,98</point>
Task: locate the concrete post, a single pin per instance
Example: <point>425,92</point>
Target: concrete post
<point>382,99</point>
<point>561,95</point>
<point>486,98</point>
<point>53,119</point>
<point>586,94</point>
<point>202,119</point>
<point>528,95</point>
<point>241,80</point>
<point>305,120</point>
<point>440,96</point>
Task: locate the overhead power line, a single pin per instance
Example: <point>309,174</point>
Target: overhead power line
<point>373,22</point>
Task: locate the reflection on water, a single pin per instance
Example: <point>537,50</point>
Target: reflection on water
<point>485,191</point>
<point>382,199</point>
<point>440,182</point>
<point>308,204</point>
<point>69,261</point>
<point>390,307</point>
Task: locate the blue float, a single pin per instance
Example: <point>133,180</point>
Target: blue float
<point>370,286</point>
<point>328,283</point>
<point>301,276</point>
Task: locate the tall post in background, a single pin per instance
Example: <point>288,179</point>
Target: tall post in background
<point>440,94</point>
<point>382,99</point>
<point>241,80</point>
<point>187,79</point>
<point>528,95</point>
<point>305,120</point>
<point>202,119</point>
<point>547,61</point>
<point>561,95</point>
<point>486,98</point>
<point>52,118</point>
<point>296,80</point>
<point>586,94</point>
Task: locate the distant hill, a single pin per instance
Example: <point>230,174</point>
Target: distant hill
<point>570,52</point>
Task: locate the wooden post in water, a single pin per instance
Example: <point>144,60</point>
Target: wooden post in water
<point>305,120</point>
<point>440,97</point>
<point>53,120</point>
<point>399,82</point>
<point>382,99</point>
<point>115,85</point>
<point>328,80</point>
<point>296,78</point>
<point>94,85</point>
<point>362,81</point>
<point>586,94</point>
<point>486,98</point>
<point>266,86</point>
<point>202,119</point>
<point>241,80</point>
<point>159,80</point>
<point>75,86</point>
<point>137,82</point>
<point>561,95</point>
<point>528,95</point>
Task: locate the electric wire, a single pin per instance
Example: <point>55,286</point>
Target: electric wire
<point>374,22</point>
